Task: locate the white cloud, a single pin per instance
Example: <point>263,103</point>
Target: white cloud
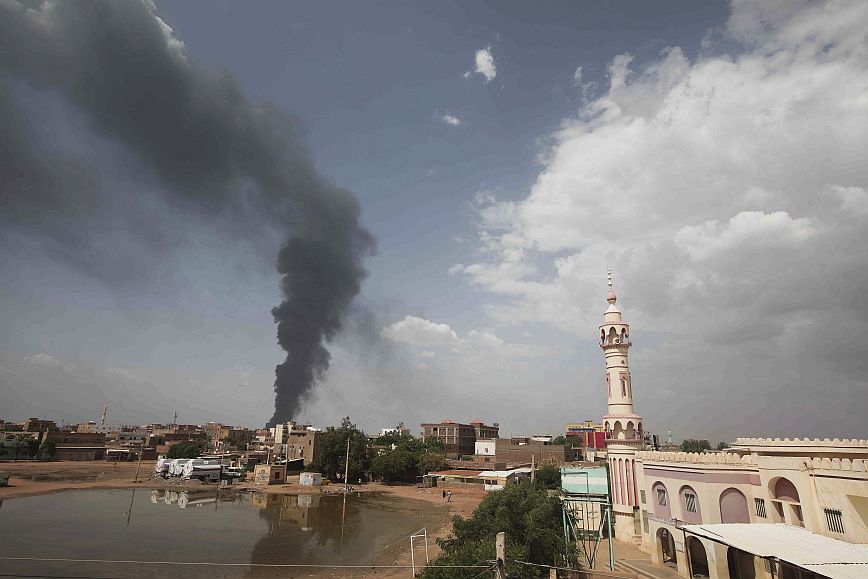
<point>42,359</point>
<point>748,231</point>
<point>123,374</point>
<point>577,77</point>
<point>484,64</point>
<point>414,330</point>
<point>450,120</point>
<point>427,354</point>
<point>714,187</point>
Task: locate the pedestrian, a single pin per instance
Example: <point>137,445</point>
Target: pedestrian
<point>449,496</point>
<point>444,495</point>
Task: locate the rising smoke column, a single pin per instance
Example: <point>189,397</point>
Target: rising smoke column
<point>212,152</point>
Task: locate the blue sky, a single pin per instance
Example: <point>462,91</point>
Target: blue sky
<point>494,229</point>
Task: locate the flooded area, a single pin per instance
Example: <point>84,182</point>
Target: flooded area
<point>203,526</point>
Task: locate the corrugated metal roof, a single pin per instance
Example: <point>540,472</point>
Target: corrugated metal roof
<point>801,547</point>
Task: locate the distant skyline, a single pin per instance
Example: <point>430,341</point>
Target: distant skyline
<point>503,155</point>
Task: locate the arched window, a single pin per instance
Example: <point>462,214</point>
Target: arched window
<point>689,505</point>
<point>733,507</point>
<point>661,499</point>
<point>786,490</point>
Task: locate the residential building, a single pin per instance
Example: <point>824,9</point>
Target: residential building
<point>459,439</point>
<point>39,425</point>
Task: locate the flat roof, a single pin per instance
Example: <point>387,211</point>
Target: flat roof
<point>461,473</point>
<point>800,547</point>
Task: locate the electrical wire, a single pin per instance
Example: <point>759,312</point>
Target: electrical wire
<point>214,564</point>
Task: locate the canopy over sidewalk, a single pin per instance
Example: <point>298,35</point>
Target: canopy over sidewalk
<point>794,545</point>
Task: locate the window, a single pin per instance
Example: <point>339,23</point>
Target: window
<point>645,520</point>
<point>690,502</point>
<point>661,497</point>
<point>760,507</point>
<point>642,496</point>
<point>834,520</point>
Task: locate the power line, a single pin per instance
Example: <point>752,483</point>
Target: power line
<point>214,564</point>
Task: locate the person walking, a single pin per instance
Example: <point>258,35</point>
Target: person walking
<point>448,496</point>
<point>444,495</point>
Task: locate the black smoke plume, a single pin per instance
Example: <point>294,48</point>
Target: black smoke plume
<point>192,134</point>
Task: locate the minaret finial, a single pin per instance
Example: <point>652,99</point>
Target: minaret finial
<point>611,297</point>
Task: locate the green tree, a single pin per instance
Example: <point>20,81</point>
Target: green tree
<point>183,450</point>
<point>48,449</point>
<point>33,447</point>
<point>549,477</point>
<point>431,462</point>
<point>694,445</point>
<point>532,521</point>
<point>721,445</point>
<point>21,440</point>
<point>394,465</point>
<point>332,456</point>
<point>567,440</point>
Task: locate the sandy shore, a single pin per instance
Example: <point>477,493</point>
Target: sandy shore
<point>37,478</point>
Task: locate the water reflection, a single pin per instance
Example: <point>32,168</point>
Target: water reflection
<point>205,526</point>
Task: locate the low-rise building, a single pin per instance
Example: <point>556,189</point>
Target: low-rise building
<point>76,445</point>
<point>505,451</point>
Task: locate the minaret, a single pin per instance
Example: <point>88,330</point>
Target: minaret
<point>623,426</point>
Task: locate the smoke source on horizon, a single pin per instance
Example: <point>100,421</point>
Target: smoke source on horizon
<point>193,135</point>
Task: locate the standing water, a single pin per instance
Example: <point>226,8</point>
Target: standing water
<point>248,529</point>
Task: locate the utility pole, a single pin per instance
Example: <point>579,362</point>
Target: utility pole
<point>500,548</point>
<point>347,468</point>
<point>141,453</point>
<point>532,468</point>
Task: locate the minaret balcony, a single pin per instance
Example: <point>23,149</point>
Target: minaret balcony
<point>615,346</point>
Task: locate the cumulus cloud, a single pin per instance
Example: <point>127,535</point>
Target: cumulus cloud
<point>450,120</point>
<point>42,359</point>
<point>484,64</point>
<point>414,330</point>
<point>729,192</point>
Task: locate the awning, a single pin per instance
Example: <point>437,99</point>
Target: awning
<point>795,545</point>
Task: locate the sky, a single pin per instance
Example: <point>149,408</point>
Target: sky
<point>500,155</point>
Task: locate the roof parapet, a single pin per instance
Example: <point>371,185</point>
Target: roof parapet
<point>840,442</point>
<point>837,464</point>
<point>718,458</point>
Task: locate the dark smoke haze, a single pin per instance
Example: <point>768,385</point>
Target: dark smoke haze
<point>207,148</point>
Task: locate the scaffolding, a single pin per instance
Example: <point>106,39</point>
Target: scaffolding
<point>587,510</point>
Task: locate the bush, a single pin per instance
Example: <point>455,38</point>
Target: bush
<point>549,477</point>
<point>532,521</point>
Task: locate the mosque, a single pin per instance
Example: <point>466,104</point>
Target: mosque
<point>765,508</point>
